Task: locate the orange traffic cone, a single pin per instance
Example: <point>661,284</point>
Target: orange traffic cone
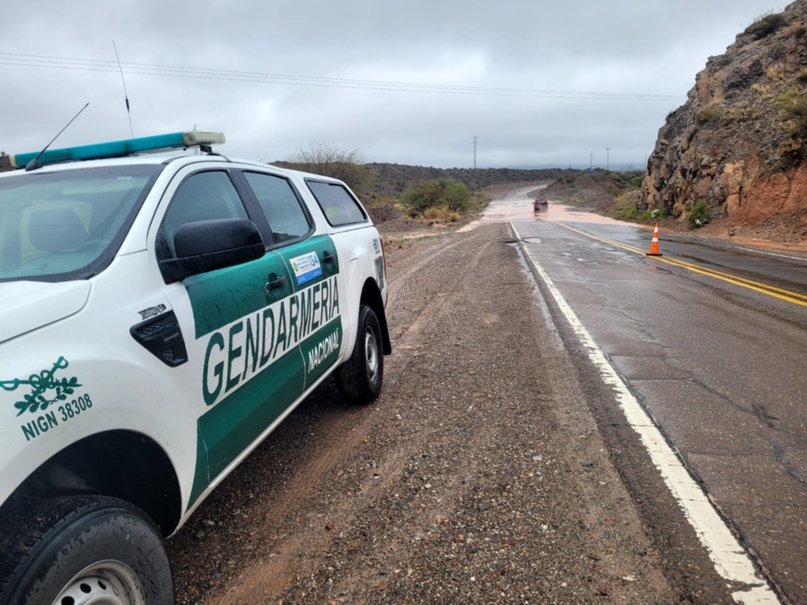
<point>654,251</point>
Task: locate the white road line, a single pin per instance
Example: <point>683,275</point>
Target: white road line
<point>801,258</point>
<point>730,559</point>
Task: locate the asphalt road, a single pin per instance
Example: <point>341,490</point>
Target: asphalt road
<point>712,340</point>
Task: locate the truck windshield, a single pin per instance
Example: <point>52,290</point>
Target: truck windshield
<point>56,226</point>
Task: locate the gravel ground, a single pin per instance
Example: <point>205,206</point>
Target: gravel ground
<point>479,476</point>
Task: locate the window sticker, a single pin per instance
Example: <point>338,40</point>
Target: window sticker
<point>306,267</point>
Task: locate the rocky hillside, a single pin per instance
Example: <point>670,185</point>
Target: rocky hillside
<point>392,179</point>
<point>596,189</point>
<point>739,143</point>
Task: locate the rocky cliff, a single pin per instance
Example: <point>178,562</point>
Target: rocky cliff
<point>739,143</point>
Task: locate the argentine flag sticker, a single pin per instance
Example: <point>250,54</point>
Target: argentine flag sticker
<point>306,267</point>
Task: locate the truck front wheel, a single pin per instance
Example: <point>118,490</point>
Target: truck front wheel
<point>75,549</point>
<point>361,376</point>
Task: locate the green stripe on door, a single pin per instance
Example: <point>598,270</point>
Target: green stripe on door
<point>236,421</point>
<point>321,351</point>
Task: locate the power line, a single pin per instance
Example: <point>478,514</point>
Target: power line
<point>176,71</point>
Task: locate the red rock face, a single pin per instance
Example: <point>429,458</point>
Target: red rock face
<point>739,143</point>
<point>784,193</point>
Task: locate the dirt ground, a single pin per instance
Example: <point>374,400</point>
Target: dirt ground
<point>784,236</point>
<point>479,476</point>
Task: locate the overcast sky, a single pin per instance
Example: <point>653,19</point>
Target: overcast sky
<point>407,82</point>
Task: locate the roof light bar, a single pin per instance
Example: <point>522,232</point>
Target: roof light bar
<point>122,148</point>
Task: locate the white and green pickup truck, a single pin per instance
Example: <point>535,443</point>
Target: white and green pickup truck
<point>160,315</point>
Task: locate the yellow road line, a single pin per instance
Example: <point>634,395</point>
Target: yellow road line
<point>762,288</point>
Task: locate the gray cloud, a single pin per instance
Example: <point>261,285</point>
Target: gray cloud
<point>616,47</point>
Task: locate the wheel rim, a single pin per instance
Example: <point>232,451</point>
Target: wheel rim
<point>103,583</point>
<point>371,353</point>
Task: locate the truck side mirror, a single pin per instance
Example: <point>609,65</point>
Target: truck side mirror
<point>203,246</point>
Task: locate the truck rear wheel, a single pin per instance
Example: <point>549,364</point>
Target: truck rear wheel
<point>74,550</point>
<point>362,375</point>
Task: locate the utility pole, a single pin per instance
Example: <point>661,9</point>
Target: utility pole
<point>591,161</point>
<point>608,158</point>
<point>476,140</point>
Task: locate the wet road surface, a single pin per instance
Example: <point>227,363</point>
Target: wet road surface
<point>717,360</point>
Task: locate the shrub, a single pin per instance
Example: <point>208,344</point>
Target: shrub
<point>450,196</point>
<point>421,195</point>
<point>626,206</point>
<point>785,99</point>
<point>739,114</point>
<point>384,211</point>
<point>635,180</point>
<point>798,113</point>
<point>793,107</point>
<point>775,72</point>
<point>765,25</point>
<point>762,89</point>
<point>628,213</point>
<point>653,214</point>
<point>457,196</point>
<point>708,115</point>
<point>697,216</point>
<point>435,214</point>
<point>337,162</point>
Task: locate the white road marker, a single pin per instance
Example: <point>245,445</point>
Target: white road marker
<point>799,258</point>
<point>730,559</point>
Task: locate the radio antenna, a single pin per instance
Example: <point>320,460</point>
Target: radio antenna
<point>125,94</point>
<point>34,164</point>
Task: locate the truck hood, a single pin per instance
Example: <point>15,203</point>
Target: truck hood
<point>28,305</point>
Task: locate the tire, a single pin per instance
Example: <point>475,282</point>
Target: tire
<point>73,550</point>
<point>362,375</point>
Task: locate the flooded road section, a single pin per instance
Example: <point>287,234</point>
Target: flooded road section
<point>517,205</point>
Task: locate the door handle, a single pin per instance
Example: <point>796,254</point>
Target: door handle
<point>275,282</point>
<point>327,257</point>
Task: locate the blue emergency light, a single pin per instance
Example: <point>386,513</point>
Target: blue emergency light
<point>122,148</point>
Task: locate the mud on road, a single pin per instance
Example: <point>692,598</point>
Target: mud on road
<point>480,475</point>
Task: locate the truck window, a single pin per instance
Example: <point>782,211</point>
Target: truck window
<point>339,207</point>
<point>202,196</point>
<point>68,224</point>
<point>280,204</point>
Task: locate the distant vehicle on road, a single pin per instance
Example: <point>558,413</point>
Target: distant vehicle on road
<point>540,205</point>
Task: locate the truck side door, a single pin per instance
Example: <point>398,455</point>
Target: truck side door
<point>313,265</point>
<point>247,366</point>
